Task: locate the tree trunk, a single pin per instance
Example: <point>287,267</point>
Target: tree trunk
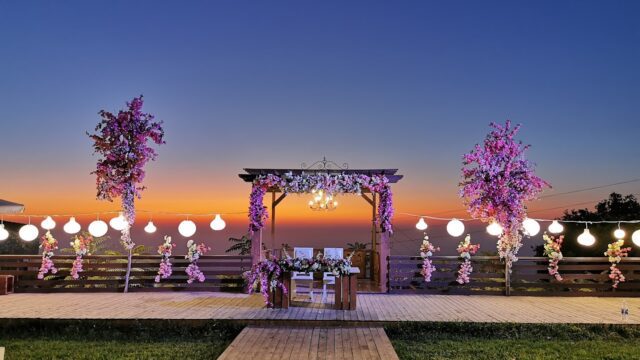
<point>126,278</point>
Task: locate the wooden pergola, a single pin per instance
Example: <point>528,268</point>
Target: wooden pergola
<point>379,239</point>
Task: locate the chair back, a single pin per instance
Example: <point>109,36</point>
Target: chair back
<point>333,253</point>
<point>303,252</point>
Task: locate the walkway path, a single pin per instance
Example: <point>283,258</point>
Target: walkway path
<point>260,342</point>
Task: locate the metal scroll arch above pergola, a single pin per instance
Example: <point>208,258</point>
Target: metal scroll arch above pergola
<point>380,249</point>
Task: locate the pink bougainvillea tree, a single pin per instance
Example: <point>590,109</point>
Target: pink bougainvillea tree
<point>122,141</point>
<point>497,181</point>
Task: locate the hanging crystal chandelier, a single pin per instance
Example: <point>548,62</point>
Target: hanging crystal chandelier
<point>322,201</point>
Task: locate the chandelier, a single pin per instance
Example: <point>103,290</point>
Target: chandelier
<point>322,201</point>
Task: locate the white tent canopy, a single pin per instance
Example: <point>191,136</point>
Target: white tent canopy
<point>8,207</point>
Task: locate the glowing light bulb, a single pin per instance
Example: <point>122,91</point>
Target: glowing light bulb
<point>494,229</point>
<point>455,227</point>
<point>118,223</point>
<point>218,224</point>
<point>619,234</point>
<point>531,227</point>
<point>150,228</point>
<point>28,232</point>
<point>4,234</point>
<point>635,237</point>
<point>72,227</point>
<point>422,225</point>
<point>187,228</point>
<point>586,239</point>
<point>48,223</point>
<point>556,227</point>
<point>98,228</point>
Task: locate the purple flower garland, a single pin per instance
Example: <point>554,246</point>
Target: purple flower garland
<point>426,252</point>
<point>193,254</point>
<point>465,250</point>
<point>330,183</point>
<point>615,252</point>
<point>553,250</point>
<point>165,269</point>
<point>497,180</point>
<point>48,244</point>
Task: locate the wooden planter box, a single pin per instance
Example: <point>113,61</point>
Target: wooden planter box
<point>6,284</point>
<point>346,289</point>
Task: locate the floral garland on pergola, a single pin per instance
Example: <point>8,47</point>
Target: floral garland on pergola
<point>329,183</point>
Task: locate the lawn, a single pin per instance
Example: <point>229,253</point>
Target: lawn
<point>514,341</point>
<point>98,339</point>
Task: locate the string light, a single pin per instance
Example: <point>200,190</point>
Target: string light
<point>422,225</point>
<point>28,232</point>
<point>494,229</point>
<point>218,224</point>
<point>150,228</point>
<point>72,227</point>
<point>187,228</point>
<point>4,234</point>
<point>635,237</point>
<point>556,227</point>
<point>619,233</point>
<point>531,227</point>
<point>586,239</point>
<point>118,223</point>
<point>48,223</point>
<point>455,227</point>
<point>98,228</point>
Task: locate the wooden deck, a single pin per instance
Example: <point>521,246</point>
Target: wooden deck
<point>372,308</point>
<point>310,343</point>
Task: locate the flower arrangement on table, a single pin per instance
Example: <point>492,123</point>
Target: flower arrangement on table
<point>616,252</point>
<point>48,244</point>
<point>165,268</point>
<point>194,252</point>
<point>266,275</point>
<point>329,183</point>
<point>80,246</point>
<point>426,252</point>
<point>553,250</point>
<point>465,250</point>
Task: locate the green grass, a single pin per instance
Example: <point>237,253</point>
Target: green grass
<point>99,339</point>
<point>514,341</point>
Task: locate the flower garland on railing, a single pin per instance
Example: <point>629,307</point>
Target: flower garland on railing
<point>465,250</point>
<point>194,253</point>
<point>81,247</point>
<point>48,244</point>
<point>165,268</point>
<point>616,252</point>
<point>266,275</point>
<point>497,181</point>
<point>426,252</point>
<point>329,183</point>
<point>553,250</point>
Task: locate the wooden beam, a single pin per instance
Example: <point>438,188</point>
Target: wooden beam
<point>369,200</point>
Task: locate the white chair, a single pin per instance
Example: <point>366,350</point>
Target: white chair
<point>305,253</point>
<point>328,278</point>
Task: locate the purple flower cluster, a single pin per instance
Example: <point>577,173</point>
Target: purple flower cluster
<point>497,180</point>
<point>615,252</point>
<point>329,183</point>
<point>426,252</point>
<point>464,273</point>
<point>465,250</point>
<point>553,250</point>
<point>76,268</point>
<point>165,269</point>
<point>48,244</point>
<point>81,247</point>
<point>194,252</point>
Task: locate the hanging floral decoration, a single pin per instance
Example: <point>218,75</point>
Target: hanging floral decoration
<point>80,246</point>
<point>194,252</point>
<point>122,142</point>
<point>329,183</point>
<point>165,268</point>
<point>553,250</point>
<point>266,275</point>
<point>426,252</point>
<point>497,181</point>
<point>465,250</point>
<point>48,244</point>
<point>616,252</point>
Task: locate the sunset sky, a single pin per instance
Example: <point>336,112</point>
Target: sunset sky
<point>409,85</point>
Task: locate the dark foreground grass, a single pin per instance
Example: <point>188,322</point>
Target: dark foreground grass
<point>103,339</point>
<point>480,341</point>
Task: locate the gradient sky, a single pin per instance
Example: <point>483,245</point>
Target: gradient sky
<point>409,85</point>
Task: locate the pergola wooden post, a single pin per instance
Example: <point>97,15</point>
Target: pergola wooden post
<point>380,250</point>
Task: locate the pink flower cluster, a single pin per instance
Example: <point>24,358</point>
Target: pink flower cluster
<point>194,252</point>
<point>48,244</point>
<point>465,250</point>
<point>165,269</point>
<point>329,183</point>
<point>464,272</point>
<point>616,252</point>
<point>81,247</point>
<point>426,252</point>
<point>497,180</point>
<point>553,250</point>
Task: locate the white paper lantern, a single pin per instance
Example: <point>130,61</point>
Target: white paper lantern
<point>422,225</point>
<point>455,227</point>
<point>556,227</point>
<point>98,228</point>
<point>28,232</point>
<point>218,224</point>
<point>586,239</point>
<point>187,228</point>
<point>72,227</point>
<point>531,227</point>
<point>635,237</point>
<point>4,234</point>
<point>48,223</point>
<point>118,223</point>
<point>494,229</point>
<point>619,233</point>
<point>150,228</point>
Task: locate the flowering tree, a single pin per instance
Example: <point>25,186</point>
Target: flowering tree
<point>497,181</point>
<point>122,142</point>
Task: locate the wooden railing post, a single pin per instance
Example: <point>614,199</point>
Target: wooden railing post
<point>507,279</point>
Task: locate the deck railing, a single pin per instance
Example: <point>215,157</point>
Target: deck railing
<point>582,276</point>
<point>106,273</point>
